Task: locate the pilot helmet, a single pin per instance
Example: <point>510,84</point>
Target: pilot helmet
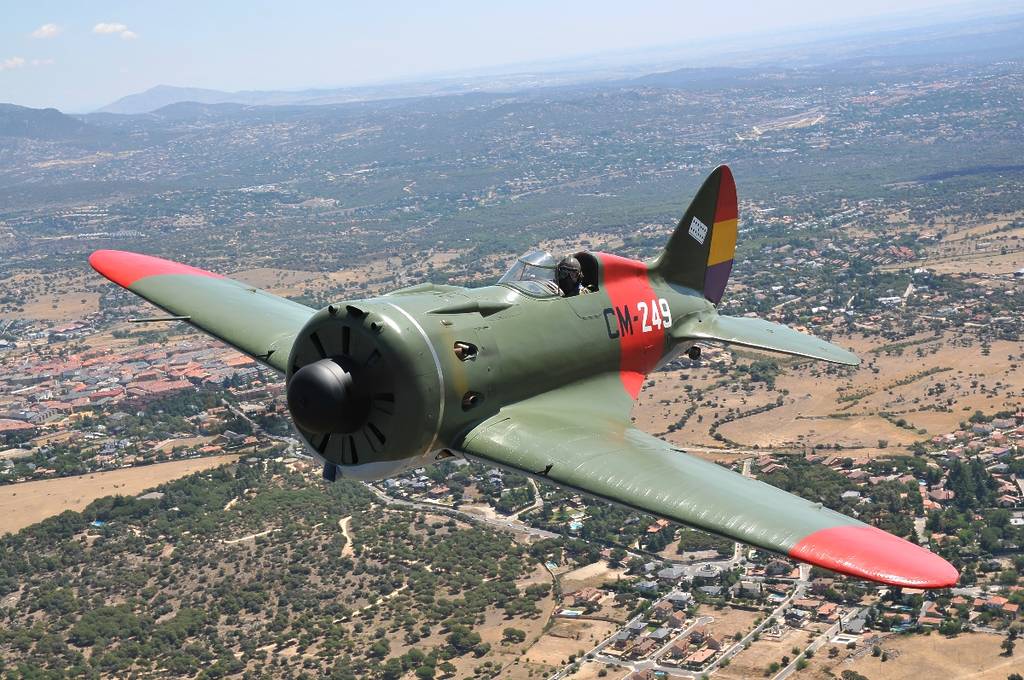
<point>569,268</point>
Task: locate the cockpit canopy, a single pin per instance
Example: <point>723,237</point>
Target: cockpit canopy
<point>533,273</point>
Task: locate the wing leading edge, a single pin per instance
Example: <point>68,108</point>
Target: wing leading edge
<point>258,323</point>
<point>582,448</point>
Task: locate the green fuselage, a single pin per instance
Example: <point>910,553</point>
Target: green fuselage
<point>458,355</point>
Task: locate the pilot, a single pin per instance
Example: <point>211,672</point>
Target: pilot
<point>569,276</point>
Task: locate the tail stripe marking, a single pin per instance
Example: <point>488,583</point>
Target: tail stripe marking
<point>723,242</point>
<point>723,238</point>
<point>726,208</point>
<point>715,279</point>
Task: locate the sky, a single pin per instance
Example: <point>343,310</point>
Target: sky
<point>79,56</point>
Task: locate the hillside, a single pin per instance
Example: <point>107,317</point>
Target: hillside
<point>43,124</point>
<point>247,568</point>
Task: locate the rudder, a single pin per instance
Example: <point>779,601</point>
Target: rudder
<point>699,254</point>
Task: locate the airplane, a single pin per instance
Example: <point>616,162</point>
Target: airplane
<point>518,376</point>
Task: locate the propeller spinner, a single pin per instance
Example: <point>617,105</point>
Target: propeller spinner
<point>324,397</point>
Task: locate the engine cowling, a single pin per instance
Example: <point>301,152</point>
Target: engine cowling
<point>363,388</point>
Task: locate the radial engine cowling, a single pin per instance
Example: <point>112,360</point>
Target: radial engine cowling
<point>364,390</point>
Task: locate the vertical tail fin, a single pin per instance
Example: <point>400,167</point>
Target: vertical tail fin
<point>700,251</point>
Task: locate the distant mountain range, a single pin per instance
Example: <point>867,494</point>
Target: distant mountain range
<point>984,36</point>
<point>163,100</point>
<point>163,95</point>
<point>857,57</point>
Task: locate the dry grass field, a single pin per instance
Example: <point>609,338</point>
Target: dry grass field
<point>280,281</point>
<point>933,384</point>
<point>986,247</point>
<point>31,502</point>
<point>591,670</point>
<point>59,296</point>
<point>594,575</point>
<point>752,662</point>
<point>565,638</point>
<point>729,620</point>
<point>987,262</point>
<point>975,656</point>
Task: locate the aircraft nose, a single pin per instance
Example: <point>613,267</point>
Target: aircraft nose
<point>323,397</point>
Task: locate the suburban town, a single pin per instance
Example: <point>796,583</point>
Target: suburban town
<point>161,517</point>
<point>656,602</point>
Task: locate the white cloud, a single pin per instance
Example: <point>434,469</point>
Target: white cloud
<point>47,31</point>
<point>114,28</point>
<point>107,28</point>
<point>11,63</point>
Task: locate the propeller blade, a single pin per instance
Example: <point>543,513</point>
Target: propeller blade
<point>319,345</point>
<point>322,446</point>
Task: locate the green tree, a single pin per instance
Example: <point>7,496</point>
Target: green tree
<point>461,639</point>
<point>393,669</point>
<point>380,648</point>
<point>514,635</point>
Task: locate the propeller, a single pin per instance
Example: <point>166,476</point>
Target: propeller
<point>340,390</point>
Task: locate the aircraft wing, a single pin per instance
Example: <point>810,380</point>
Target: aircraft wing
<point>254,321</point>
<point>580,437</point>
<point>761,334</point>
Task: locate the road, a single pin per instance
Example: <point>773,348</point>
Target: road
<point>777,614</point>
<point>919,526</point>
<point>595,652</point>
<point>249,537</point>
<point>504,523</point>
<point>292,445</point>
<point>817,644</point>
<point>742,452</point>
<point>651,662</point>
<point>538,502</point>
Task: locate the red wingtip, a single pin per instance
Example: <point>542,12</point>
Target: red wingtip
<point>124,268</point>
<point>870,553</point>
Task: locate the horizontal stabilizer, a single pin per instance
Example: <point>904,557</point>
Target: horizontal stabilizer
<point>761,334</point>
